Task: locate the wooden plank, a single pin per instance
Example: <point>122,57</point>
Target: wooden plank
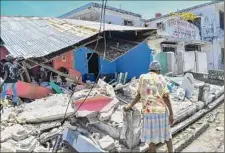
<point>54,70</point>
<point>26,71</point>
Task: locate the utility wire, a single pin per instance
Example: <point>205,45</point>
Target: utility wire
<point>102,16</point>
<point>100,68</point>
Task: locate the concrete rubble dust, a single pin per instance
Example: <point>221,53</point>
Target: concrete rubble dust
<point>22,128</point>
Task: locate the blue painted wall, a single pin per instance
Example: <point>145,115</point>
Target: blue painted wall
<point>135,62</point>
<point>81,61</point>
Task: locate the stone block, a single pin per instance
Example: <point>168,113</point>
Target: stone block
<point>107,143</point>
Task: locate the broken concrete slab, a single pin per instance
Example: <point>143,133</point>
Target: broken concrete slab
<point>27,145</point>
<point>20,134</point>
<point>7,133</point>
<point>46,109</point>
<point>108,89</point>
<point>112,131</point>
<point>107,143</point>
<point>8,147</point>
<point>80,142</point>
<point>101,106</point>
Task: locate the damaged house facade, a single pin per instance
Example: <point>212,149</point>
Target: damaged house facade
<point>92,12</point>
<point>126,46</point>
<point>210,23</point>
<point>178,46</point>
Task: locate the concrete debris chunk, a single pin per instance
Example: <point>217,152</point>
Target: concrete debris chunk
<point>180,94</point>
<point>131,129</point>
<point>107,143</point>
<point>7,133</point>
<point>20,134</point>
<point>27,145</point>
<point>188,84</point>
<point>219,128</point>
<point>8,147</point>
<point>46,109</point>
<point>108,110</point>
<point>106,88</point>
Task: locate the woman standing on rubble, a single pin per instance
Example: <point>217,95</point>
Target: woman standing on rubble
<point>157,110</point>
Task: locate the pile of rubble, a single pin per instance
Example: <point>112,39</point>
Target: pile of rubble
<point>32,126</point>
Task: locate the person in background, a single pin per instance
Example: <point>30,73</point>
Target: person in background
<point>157,111</point>
<point>11,74</point>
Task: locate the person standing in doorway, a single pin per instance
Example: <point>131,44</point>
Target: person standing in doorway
<point>157,111</point>
<point>10,70</point>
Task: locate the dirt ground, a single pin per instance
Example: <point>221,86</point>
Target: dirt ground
<point>212,140</point>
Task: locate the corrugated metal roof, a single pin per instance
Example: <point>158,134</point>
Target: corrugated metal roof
<point>37,37</point>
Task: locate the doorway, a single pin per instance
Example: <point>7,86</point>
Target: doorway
<point>93,63</point>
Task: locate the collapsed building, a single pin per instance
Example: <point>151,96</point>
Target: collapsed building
<point>99,124</point>
<point>95,123</point>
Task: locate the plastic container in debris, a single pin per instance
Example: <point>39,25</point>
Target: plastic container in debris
<point>55,87</point>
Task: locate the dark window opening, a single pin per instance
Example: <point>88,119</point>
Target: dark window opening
<point>128,23</point>
<point>168,47</point>
<point>93,63</point>
<point>146,25</point>
<point>192,48</point>
<point>160,26</point>
<point>221,13</point>
<point>109,22</point>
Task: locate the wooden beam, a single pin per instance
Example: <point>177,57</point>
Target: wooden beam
<point>128,41</point>
<point>26,71</point>
<point>120,50</point>
<point>54,70</point>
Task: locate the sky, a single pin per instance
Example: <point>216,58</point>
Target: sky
<point>56,8</point>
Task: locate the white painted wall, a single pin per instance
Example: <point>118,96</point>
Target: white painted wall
<point>210,29</point>
<point>112,16</point>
